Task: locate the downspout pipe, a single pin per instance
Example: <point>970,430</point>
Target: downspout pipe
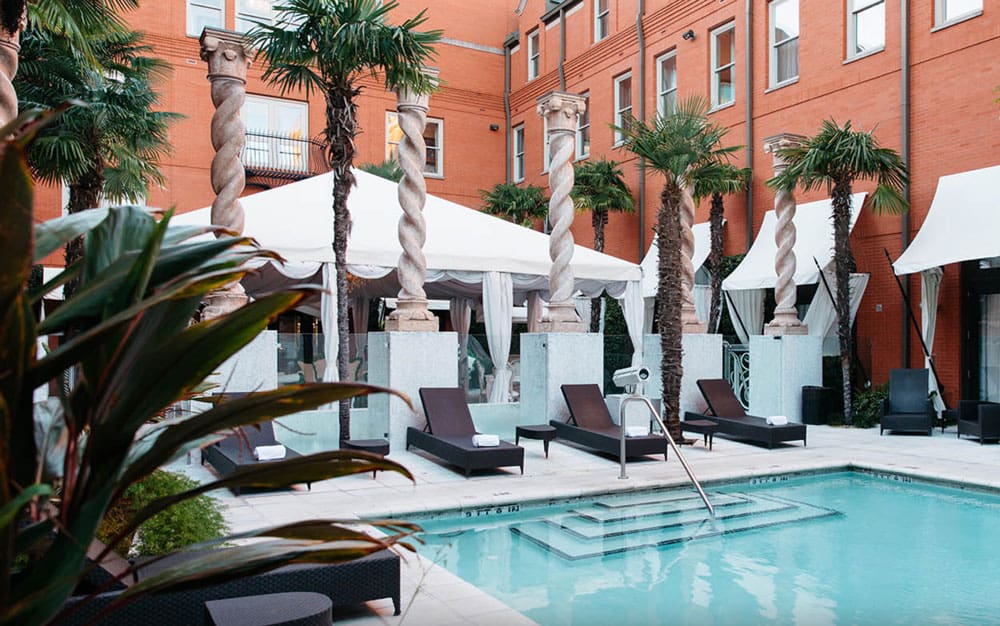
<point>641,71</point>
<point>509,43</point>
<point>904,153</point>
<point>562,48</point>
<point>748,89</point>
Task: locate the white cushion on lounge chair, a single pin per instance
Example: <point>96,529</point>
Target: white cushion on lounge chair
<point>486,441</point>
<point>777,420</point>
<point>269,453</point>
<point>636,431</point>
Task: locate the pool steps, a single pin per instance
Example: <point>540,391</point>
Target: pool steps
<point>612,527</point>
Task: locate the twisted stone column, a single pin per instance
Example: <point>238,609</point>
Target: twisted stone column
<point>561,111</point>
<point>786,316</point>
<point>9,49</point>
<point>689,319</point>
<point>228,62</point>
<point>411,313</point>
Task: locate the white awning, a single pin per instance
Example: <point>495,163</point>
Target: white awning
<point>962,223</point>
<point>813,238</point>
<point>650,262</point>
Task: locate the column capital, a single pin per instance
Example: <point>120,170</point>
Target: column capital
<point>561,109</point>
<point>781,141</point>
<point>409,99</point>
<point>226,52</point>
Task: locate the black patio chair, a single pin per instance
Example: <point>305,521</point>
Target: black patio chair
<point>907,409</point>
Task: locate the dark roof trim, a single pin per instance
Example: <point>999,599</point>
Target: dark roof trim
<point>512,39</point>
<point>553,13</point>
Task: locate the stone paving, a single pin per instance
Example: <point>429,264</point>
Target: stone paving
<point>432,595</point>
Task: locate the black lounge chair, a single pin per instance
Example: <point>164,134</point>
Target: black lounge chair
<point>590,425</point>
<point>236,451</point>
<point>979,419</point>
<point>450,430</point>
<point>371,577</point>
<point>907,409</point>
<point>725,410</point>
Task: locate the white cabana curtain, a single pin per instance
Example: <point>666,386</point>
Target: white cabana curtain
<point>648,308</point>
<point>746,306</point>
<point>328,315</point>
<point>821,318</point>
<point>633,310</point>
<point>534,311</point>
<point>460,310</point>
<point>498,309</point>
<point>930,287</point>
<point>702,295</point>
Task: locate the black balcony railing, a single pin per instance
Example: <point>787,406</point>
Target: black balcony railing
<point>271,159</point>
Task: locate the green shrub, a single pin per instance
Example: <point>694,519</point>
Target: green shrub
<point>191,521</point>
<point>866,405</point>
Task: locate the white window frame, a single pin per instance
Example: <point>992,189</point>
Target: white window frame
<point>854,9</point>
<point>662,91</point>
<point>619,109</point>
<point>772,47</point>
<point>517,153</point>
<point>534,55</point>
<point>717,70</point>
<point>941,11</point>
<point>212,5</point>
<point>246,18</point>
<point>602,20</point>
<point>276,156</point>
<point>583,126</point>
<point>430,171</point>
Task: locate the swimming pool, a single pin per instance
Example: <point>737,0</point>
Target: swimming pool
<point>843,548</point>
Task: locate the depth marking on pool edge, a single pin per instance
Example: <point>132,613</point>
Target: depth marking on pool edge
<point>492,510</point>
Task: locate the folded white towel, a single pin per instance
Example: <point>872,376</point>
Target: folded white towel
<point>486,441</point>
<point>636,431</point>
<point>269,453</point>
<point>777,420</point>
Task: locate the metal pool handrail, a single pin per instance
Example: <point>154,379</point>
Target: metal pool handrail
<point>666,435</point>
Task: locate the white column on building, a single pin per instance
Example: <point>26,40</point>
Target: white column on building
<point>689,316</point>
<point>786,316</point>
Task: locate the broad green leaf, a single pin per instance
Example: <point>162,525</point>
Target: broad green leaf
<point>10,510</point>
<point>56,233</point>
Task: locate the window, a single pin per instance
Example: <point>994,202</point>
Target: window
<point>202,13</point>
<point>602,18</point>
<point>865,27</point>
<point>583,130</point>
<point>723,65</point>
<point>623,104</point>
<point>946,11</point>
<point>534,56</point>
<point>666,83</point>
<point>784,41</point>
<point>433,138</point>
<point>277,134</point>
<point>251,12</point>
<point>517,153</point>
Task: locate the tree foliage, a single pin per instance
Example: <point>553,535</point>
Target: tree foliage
<point>521,205</point>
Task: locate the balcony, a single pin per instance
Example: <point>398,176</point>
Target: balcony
<point>271,160</point>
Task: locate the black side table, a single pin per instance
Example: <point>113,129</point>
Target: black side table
<point>374,446</point>
<point>702,427</point>
<point>536,431</point>
<point>298,608</point>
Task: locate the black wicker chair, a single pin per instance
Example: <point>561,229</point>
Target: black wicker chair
<point>979,419</point>
<point>726,411</point>
<point>907,409</point>
<point>236,451</point>
<point>590,425</point>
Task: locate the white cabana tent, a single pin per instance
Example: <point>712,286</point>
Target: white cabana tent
<point>470,255</point>
<point>961,225</point>
<point>651,275</point>
<point>744,287</point>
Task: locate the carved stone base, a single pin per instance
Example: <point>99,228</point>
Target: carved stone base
<point>412,315</point>
<point>690,324</point>
<point>224,301</point>
<point>562,326</point>
<point>786,323</point>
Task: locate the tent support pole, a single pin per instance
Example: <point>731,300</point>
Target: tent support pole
<point>913,321</point>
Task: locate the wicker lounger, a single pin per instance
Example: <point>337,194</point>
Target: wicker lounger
<point>726,411</point>
<point>591,426</point>
<point>451,431</point>
<point>237,451</point>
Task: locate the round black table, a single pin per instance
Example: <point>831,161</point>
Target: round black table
<point>703,427</point>
<point>298,608</point>
<point>374,446</point>
<point>536,431</point>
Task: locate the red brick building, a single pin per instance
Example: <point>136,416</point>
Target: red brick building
<point>766,68</point>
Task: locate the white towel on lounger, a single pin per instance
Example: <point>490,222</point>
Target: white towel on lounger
<point>269,453</point>
<point>636,431</point>
<point>486,441</point>
<point>777,420</point>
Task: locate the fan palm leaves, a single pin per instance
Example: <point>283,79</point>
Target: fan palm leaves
<point>834,158</point>
<point>329,46</point>
<point>514,203</point>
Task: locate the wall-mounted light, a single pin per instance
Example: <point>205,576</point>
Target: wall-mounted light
<point>494,127</point>
<point>688,36</point>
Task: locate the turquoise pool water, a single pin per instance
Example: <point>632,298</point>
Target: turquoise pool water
<point>844,548</point>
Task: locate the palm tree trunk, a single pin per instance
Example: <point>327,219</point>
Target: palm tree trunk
<point>84,194</point>
<point>669,294</point>
<point>341,129</point>
<point>844,265</point>
<point>599,219</point>
<point>715,260</point>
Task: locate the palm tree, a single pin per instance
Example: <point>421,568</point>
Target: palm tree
<point>600,189</point>
<point>330,46</point>
<point>686,148</point>
<point>730,180</point>
<point>111,147</point>
<point>521,205</point>
<point>834,158</point>
<point>387,169</point>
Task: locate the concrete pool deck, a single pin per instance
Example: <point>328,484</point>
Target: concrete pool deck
<point>432,595</point>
